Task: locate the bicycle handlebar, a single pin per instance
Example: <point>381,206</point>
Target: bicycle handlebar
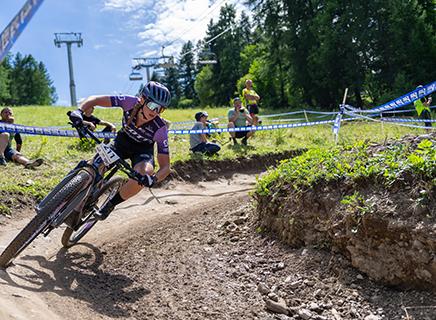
<point>131,173</point>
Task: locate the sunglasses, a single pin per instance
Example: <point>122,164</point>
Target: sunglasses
<point>153,106</point>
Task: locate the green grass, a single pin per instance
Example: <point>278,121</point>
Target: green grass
<point>354,163</point>
<point>61,154</point>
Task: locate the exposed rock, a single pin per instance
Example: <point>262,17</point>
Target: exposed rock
<point>277,306</point>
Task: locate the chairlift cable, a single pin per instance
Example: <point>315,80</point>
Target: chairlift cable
<point>178,37</point>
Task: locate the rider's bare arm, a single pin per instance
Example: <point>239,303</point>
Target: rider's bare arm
<point>108,124</point>
<point>92,101</point>
<point>164,166</point>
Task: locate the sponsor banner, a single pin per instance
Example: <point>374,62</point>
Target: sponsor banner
<point>17,25</point>
<point>401,101</point>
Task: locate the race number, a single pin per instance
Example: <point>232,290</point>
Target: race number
<point>107,154</point>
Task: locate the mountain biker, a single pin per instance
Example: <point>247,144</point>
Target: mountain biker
<point>142,126</point>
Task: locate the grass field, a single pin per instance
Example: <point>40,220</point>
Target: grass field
<point>61,154</point>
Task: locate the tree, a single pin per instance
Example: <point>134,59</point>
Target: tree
<point>171,81</point>
<point>30,82</point>
<point>187,71</point>
<point>204,86</point>
<point>227,47</point>
<point>5,69</point>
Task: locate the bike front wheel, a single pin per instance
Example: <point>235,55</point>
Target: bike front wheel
<point>87,220</point>
<point>45,216</point>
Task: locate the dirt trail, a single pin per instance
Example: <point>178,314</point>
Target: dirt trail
<point>196,254</point>
<point>43,281</point>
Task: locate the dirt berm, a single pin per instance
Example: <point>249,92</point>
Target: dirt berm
<point>389,233</point>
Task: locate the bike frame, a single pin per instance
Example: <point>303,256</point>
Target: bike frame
<point>97,176</point>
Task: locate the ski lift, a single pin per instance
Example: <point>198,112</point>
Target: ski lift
<point>167,61</point>
<point>135,76</point>
<point>207,57</point>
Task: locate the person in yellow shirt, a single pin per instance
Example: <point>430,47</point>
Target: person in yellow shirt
<point>251,99</point>
<point>422,107</point>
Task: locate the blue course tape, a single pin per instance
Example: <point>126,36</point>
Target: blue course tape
<point>406,120</point>
<point>407,110</point>
<point>70,133</point>
<point>401,101</point>
<point>43,131</point>
<point>359,116</point>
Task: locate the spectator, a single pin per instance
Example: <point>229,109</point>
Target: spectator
<point>6,150</point>
<point>239,117</point>
<point>199,141</point>
<point>422,107</point>
<point>92,121</point>
<point>251,99</point>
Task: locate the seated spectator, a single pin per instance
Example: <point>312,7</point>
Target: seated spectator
<point>239,117</point>
<point>7,153</point>
<point>92,121</point>
<point>199,141</point>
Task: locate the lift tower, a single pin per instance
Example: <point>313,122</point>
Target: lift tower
<point>70,38</point>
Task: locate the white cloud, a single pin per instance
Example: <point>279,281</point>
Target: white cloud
<point>168,23</point>
<point>127,5</point>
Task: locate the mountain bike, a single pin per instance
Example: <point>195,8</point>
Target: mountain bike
<point>76,199</point>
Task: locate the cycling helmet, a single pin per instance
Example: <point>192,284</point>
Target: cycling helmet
<point>156,92</point>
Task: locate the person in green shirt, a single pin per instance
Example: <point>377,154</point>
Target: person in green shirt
<point>239,117</point>
<point>251,99</point>
<point>422,107</point>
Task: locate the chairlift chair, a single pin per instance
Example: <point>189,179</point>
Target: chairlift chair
<point>135,76</point>
<point>207,57</point>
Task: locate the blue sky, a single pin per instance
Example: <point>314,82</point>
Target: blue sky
<point>113,32</point>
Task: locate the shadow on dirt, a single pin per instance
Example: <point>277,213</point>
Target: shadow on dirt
<point>202,195</point>
<point>76,273</point>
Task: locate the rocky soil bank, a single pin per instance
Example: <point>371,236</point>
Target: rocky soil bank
<point>387,232</point>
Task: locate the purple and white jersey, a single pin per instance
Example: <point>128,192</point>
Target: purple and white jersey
<point>150,132</point>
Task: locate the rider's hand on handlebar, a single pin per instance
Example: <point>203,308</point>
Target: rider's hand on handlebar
<point>76,117</point>
<point>146,180</point>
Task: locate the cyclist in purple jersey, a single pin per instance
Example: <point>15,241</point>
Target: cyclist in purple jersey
<point>142,126</point>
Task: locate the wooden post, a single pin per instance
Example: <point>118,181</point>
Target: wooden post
<point>305,115</point>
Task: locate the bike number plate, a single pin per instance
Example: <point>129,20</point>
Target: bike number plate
<point>107,154</point>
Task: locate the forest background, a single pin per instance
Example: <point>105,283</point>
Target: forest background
<point>299,53</point>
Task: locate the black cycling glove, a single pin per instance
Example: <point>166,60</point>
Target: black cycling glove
<point>148,181</point>
<point>76,116</point>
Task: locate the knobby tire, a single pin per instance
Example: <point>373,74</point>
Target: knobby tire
<point>108,190</point>
<point>44,217</point>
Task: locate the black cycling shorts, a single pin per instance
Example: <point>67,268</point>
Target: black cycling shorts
<point>127,148</point>
<point>253,108</point>
<point>240,134</point>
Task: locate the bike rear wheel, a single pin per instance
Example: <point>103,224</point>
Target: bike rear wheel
<point>87,221</point>
<point>45,215</point>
